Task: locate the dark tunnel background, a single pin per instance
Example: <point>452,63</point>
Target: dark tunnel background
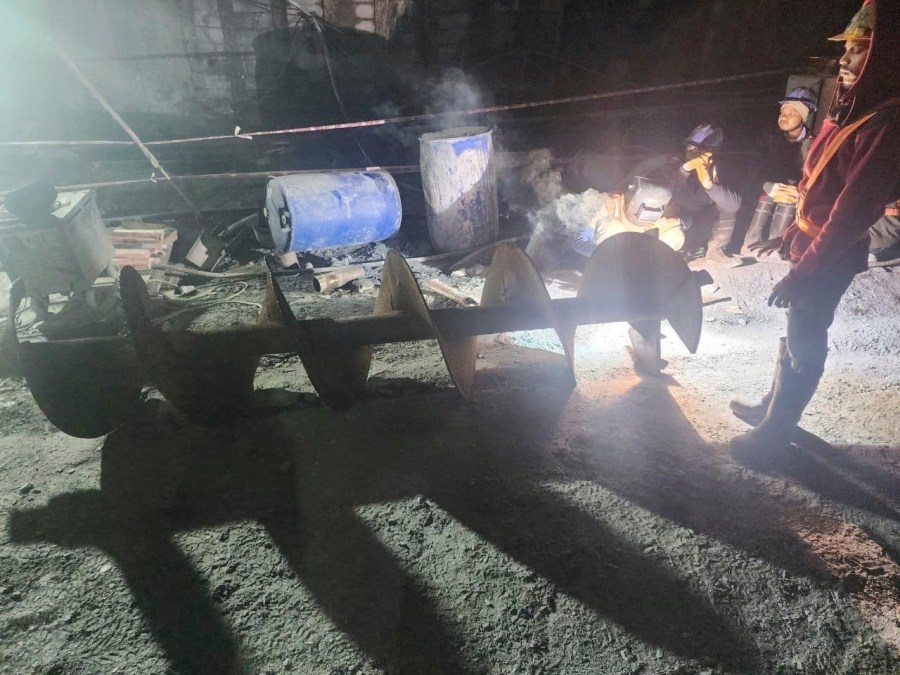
<point>180,69</point>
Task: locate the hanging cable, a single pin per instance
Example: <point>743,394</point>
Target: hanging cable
<point>428,116</point>
<point>154,162</point>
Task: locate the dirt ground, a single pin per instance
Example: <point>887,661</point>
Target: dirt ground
<point>536,530</point>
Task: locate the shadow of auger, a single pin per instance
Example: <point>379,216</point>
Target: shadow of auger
<point>304,484</point>
<point>172,596</point>
<point>199,477</point>
<point>87,388</point>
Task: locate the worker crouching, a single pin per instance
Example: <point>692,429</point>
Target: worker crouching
<point>639,209</point>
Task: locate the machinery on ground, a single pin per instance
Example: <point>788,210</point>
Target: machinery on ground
<point>89,387</point>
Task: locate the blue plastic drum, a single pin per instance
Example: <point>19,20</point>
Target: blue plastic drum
<point>313,211</point>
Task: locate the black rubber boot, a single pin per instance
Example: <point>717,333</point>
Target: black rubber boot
<point>719,239</point>
<point>753,413</point>
<point>759,224</point>
<point>792,393</point>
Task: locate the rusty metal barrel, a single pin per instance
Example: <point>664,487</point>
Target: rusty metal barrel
<point>460,183</point>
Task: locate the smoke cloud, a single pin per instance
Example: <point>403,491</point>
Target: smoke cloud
<point>532,186</point>
<point>555,225</point>
<point>453,91</point>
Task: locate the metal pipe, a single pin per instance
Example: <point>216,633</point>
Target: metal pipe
<point>393,327</point>
<point>439,287</point>
<point>331,281</point>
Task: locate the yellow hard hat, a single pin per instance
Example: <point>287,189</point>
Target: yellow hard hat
<point>861,26</point>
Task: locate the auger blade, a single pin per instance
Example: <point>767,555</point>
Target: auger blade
<point>685,313</point>
<point>337,370</point>
<point>514,280</point>
<point>9,352</point>
<point>87,387</point>
<point>400,292</point>
<point>208,377</point>
<point>647,277</point>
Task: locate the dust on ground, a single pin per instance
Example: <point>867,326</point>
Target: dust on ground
<point>535,530</point>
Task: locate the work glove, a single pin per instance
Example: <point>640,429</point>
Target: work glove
<point>786,292</point>
<point>693,164</point>
<point>765,247</point>
<point>702,165</point>
<point>584,242</point>
<point>784,194</point>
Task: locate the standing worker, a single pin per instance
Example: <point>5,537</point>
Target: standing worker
<point>851,172</point>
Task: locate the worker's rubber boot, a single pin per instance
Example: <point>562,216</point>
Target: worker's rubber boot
<point>759,224</point>
<point>753,413</point>
<point>719,239</point>
<point>792,393</point>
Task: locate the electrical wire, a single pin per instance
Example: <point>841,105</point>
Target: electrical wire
<point>528,105</point>
<point>205,290</point>
<point>20,327</point>
<point>198,308</point>
<point>195,306</point>
<point>549,57</point>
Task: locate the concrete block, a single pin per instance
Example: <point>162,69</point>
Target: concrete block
<point>365,26</point>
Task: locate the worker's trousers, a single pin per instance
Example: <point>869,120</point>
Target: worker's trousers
<point>809,319</point>
<point>885,236</point>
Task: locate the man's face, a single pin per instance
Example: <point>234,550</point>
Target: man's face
<point>853,60</point>
<point>789,119</point>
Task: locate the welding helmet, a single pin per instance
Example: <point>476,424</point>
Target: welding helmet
<point>706,137</point>
<point>804,96</point>
<point>645,200</point>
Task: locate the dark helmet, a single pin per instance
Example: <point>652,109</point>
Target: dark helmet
<point>645,200</point>
<point>707,137</point>
<point>804,95</point>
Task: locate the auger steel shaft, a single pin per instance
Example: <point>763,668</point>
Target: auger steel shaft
<point>472,321</point>
<point>400,326</point>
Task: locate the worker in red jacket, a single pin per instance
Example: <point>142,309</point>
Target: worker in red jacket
<point>849,175</point>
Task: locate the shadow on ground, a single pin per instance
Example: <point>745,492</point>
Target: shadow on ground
<point>835,474</point>
<point>302,474</point>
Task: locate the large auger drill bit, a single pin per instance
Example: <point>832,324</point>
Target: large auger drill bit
<point>87,387</point>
